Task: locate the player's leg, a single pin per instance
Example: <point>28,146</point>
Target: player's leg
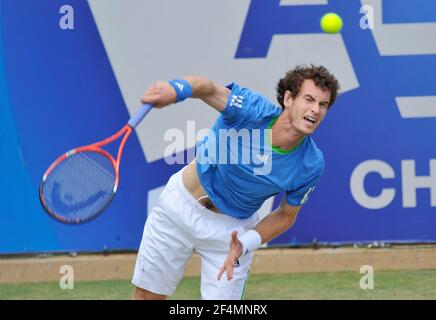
<point>141,294</point>
<point>165,247</point>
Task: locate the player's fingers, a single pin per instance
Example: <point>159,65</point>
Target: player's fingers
<point>147,98</point>
<point>220,273</point>
<point>229,271</point>
<point>152,99</point>
<point>234,236</point>
<point>157,100</point>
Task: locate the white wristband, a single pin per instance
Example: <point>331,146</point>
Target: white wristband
<point>250,240</point>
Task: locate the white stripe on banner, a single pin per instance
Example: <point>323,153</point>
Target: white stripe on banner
<point>417,107</point>
<point>390,37</point>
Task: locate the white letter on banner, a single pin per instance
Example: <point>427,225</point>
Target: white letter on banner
<point>357,185</point>
<point>411,182</point>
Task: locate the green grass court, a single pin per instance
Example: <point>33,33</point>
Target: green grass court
<point>417,284</point>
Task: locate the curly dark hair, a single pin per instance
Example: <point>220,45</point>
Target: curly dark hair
<point>294,78</point>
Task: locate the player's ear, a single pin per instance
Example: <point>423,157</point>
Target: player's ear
<point>288,99</point>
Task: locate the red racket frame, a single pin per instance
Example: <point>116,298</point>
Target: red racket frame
<point>95,147</point>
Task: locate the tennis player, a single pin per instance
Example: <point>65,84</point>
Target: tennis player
<point>210,205</point>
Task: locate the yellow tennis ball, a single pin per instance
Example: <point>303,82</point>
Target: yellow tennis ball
<point>331,23</point>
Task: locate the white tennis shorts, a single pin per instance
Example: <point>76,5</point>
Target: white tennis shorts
<point>176,227</point>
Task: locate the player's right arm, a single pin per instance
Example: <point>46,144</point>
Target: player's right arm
<point>205,89</point>
<point>161,93</point>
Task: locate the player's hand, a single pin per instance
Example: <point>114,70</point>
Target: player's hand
<point>232,257</point>
<point>159,94</point>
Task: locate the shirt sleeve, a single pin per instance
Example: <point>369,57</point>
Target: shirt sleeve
<point>244,105</point>
<point>300,196</point>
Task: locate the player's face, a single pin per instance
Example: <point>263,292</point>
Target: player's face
<point>308,108</point>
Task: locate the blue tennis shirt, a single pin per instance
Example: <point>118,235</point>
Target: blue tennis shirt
<point>239,169</point>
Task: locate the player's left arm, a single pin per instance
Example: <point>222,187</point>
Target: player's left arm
<point>280,220</point>
<point>273,225</point>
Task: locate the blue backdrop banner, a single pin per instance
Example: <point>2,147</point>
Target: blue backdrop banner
<point>63,84</point>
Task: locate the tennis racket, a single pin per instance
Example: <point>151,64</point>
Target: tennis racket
<point>80,184</point>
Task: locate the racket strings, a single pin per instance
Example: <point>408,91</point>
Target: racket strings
<point>80,186</point>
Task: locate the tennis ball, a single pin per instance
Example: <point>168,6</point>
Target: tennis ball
<point>331,23</point>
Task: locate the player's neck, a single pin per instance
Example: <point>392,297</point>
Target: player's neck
<point>284,135</point>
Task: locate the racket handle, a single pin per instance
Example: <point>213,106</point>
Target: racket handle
<point>137,118</point>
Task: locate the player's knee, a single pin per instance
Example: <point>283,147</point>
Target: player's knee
<point>142,294</point>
